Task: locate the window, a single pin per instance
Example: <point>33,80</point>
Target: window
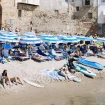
<point>19,13</point>
<point>77,8</point>
<point>87,2</point>
<point>57,12</point>
<point>90,15</point>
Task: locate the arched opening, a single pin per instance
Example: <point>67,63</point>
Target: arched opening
<point>0,16</point>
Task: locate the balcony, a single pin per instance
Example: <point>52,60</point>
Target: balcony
<point>30,2</point>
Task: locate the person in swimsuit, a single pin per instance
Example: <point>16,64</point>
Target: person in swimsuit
<point>64,72</point>
<point>4,79</point>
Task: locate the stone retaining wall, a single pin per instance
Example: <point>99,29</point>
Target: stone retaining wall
<point>41,20</point>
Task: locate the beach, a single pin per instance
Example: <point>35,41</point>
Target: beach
<point>88,92</point>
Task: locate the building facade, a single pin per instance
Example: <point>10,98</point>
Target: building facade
<point>101,16</point>
<point>48,15</point>
<point>16,13</point>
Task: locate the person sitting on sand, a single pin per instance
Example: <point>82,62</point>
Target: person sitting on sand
<point>89,52</point>
<point>4,79</point>
<point>75,54</point>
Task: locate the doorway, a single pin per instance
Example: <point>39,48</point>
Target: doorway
<point>87,2</point>
<point>0,17</point>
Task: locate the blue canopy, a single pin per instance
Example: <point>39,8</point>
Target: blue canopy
<point>85,38</point>
<point>46,35</point>
<point>28,34</point>
<point>101,39</point>
<point>29,38</point>
<point>51,40</point>
<point>8,37</point>
<point>69,39</point>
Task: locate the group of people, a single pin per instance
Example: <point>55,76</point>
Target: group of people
<point>5,80</point>
<point>9,29</point>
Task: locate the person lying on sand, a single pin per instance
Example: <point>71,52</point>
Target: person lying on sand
<point>39,56</point>
<point>36,55</point>
<point>64,72</point>
<point>4,79</point>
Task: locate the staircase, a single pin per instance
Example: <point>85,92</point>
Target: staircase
<point>82,14</point>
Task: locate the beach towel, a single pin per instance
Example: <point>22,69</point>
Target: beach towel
<point>54,74</point>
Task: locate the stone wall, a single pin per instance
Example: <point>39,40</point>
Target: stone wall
<point>47,20</point>
<point>10,15</point>
<point>64,23</point>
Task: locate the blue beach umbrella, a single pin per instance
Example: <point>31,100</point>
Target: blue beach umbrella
<point>70,39</point>
<point>3,31</point>
<point>46,35</point>
<point>33,40</point>
<point>28,34</point>
<point>29,38</point>
<point>51,40</point>
<point>8,37</point>
<point>101,39</point>
<point>85,38</point>
<point>30,41</point>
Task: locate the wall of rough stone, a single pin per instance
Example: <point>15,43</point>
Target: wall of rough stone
<point>62,23</point>
<point>47,20</point>
<point>10,15</point>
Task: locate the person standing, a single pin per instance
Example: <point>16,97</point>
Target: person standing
<point>16,30</point>
<point>3,28</point>
<point>10,29</point>
<point>71,66</point>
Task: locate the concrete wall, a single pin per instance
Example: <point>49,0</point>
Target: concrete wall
<point>101,8</point>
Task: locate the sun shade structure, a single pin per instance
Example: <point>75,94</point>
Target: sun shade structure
<point>101,39</point>
<point>8,37</point>
<point>29,38</point>
<point>85,38</point>
<point>29,34</point>
<point>69,39</point>
<point>51,40</point>
<point>41,35</point>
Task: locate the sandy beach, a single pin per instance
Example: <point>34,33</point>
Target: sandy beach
<point>88,92</point>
